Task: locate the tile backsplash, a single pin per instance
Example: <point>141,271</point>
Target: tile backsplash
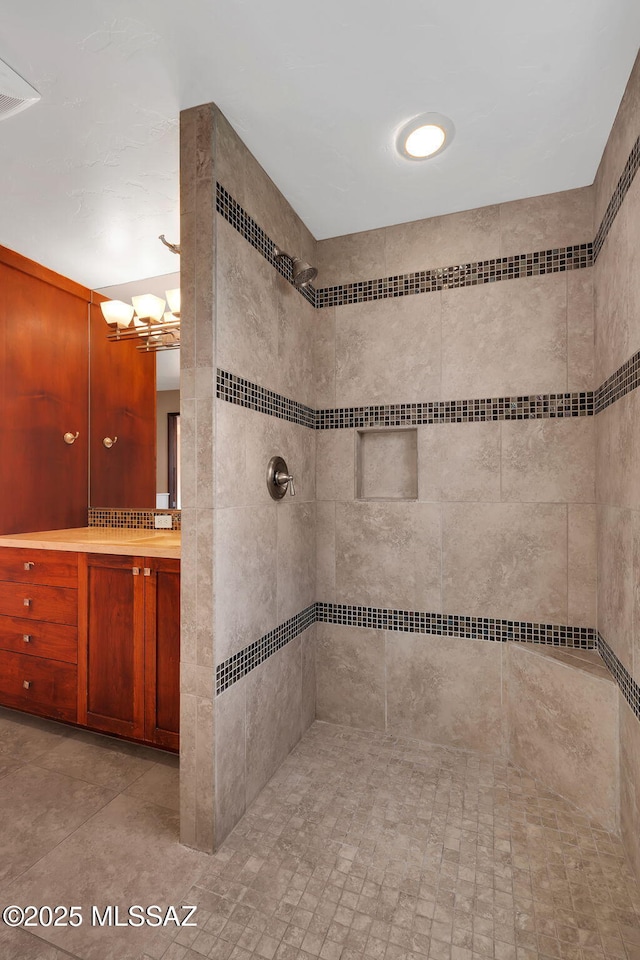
<point>130,519</point>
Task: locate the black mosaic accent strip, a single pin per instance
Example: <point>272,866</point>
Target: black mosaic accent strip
<point>617,198</point>
<point>541,406</point>
<point>628,686</point>
<point>625,379</point>
<point>247,394</point>
<point>475,274</point>
<point>243,662</point>
<point>240,220</point>
<point>454,625</point>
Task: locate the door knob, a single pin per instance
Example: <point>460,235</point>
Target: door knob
<point>26,684</point>
<point>108,442</point>
<point>71,437</point>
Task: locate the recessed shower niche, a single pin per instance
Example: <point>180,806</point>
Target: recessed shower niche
<point>387,464</point>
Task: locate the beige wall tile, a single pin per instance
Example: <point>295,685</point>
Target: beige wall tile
<point>296,558</point>
<point>335,464</point>
<point>582,565</point>
<point>188,772</point>
<point>205,775</point>
<point>630,783</point>
<point>459,461</point>
<point>188,592</point>
<point>324,358</point>
<point>231,159</point>
<point>376,356</point>
<point>355,256</point>
<point>308,648</point>
<point>635,655</point>
<point>296,334</point>
<point>274,714</point>
<point>563,726</point>
<point>505,560</point>
<point>247,309</point>
<point>387,464</point>
<point>231,478</point>
<point>621,140</point>
<point>350,675</point>
<point>268,437</point>
<point>326,551</point>
<point>505,338</point>
<point>388,554</point>
<point>442,241</point>
<point>542,223</point>
<point>549,460</point>
<point>618,452</point>
<point>205,588</point>
<point>445,690</point>
<point>246,557</point>
<point>632,203</point>
<point>613,333</point>
<point>230,784</point>
<point>615,580</point>
<point>580,331</point>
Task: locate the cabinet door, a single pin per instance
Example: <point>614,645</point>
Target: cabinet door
<point>114,623</point>
<point>123,405</point>
<point>44,360</point>
<point>162,652</point>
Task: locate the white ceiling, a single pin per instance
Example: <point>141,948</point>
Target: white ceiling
<point>90,174</point>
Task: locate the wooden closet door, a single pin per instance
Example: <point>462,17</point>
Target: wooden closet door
<point>123,405</point>
<point>44,384</point>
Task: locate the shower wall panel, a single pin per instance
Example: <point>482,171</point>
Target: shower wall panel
<point>617,341</point>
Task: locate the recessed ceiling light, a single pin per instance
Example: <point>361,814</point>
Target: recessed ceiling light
<point>424,136</point>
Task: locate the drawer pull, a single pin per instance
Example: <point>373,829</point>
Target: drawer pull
<point>29,565</point>
<point>26,602</point>
<point>26,684</point>
<point>26,637</point>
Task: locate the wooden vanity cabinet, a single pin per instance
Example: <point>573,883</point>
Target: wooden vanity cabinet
<point>130,611</point>
<point>39,632</point>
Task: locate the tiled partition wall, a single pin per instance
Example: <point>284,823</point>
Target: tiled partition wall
<point>617,329</point>
<point>249,562</point>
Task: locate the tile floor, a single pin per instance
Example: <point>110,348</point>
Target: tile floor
<point>361,846</point>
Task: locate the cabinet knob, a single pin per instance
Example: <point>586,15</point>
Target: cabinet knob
<point>135,571</point>
<point>26,684</point>
<point>147,571</point>
<point>71,437</point>
<point>26,637</point>
<point>29,565</point>
<point>26,602</point>
<point>108,442</point>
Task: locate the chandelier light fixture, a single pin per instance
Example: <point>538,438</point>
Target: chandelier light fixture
<point>145,318</point>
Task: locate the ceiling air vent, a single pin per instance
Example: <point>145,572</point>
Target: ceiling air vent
<point>15,93</point>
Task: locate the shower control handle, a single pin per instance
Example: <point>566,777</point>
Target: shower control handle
<point>279,479</point>
<point>282,479</point>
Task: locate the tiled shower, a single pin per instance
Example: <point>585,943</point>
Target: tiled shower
<point>457,402</point>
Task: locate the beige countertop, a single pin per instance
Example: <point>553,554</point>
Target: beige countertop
<point>131,543</point>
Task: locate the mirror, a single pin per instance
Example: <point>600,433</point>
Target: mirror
<point>167,395</point>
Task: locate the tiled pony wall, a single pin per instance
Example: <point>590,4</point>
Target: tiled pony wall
<point>439,400</point>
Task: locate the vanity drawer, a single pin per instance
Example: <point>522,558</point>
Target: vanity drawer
<point>30,601</point>
<point>55,641</point>
<point>57,568</point>
<point>45,687</point>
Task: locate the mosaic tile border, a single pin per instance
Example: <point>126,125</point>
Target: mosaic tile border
<point>622,188</point>
<point>517,267</point>
<point>455,625</point>
<point>628,686</point>
<point>130,519</point>
<point>244,393</point>
<point>625,379</point>
<point>408,621</point>
<point>247,227</point>
<point>240,664</point>
<point>540,406</point>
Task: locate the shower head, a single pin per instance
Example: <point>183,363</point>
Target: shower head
<point>302,273</point>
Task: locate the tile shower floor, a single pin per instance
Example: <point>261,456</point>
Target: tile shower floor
<point>361,846</point>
